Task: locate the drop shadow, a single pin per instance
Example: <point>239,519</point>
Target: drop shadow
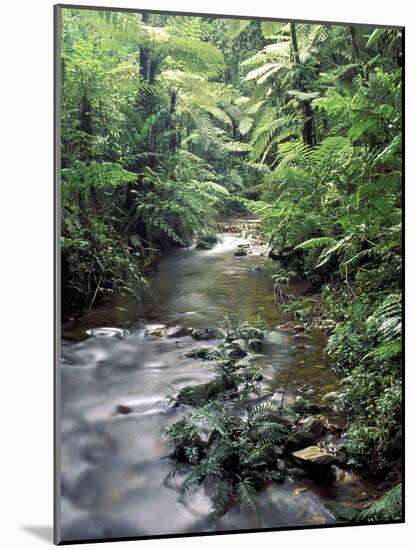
<point>44,533</point>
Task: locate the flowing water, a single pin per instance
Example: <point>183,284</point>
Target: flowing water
<point>115,377</point>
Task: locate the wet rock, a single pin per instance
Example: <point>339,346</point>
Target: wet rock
<point>203,245</point>
<point>240,252</point>
<point>328,325</point>
<point>200,394</point>
<point>302,336</point>
<point>299,440</point>
<point>303,406</point>
<point>299,490</point>
<point>255,344</point>
<point>299,346</point>
<point>285,326</point>
<point>257,268</point>
<point>299,328</point>
<point>235,350</point>
<point>159,333</point>
<point>331,395</point>
<point>266,453</point>
<point>280,465</point>
<point>107,332</point>
<point>211,239</point>
<point>204,334</point>
<point>177,332</point>
<point>314,456</point>
<point>342,512</point>
<point>341,458</point>
<point>198,353</point>
<point>279,450</point>
<point>124,409</point>
<point>156,330</point>
<point>316,425</point>
<point>297,473</point>
<point>277,396</point>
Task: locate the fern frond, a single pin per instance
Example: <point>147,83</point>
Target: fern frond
<point>387,319</point>
<point>245,491</point>
<point>387,508</point>
<point>318,242</point>
<point>236,27</point>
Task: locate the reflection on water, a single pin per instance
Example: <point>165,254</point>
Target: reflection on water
<point>114,385</point>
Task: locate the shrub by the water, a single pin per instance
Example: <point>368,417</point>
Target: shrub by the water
<point>233,457</point>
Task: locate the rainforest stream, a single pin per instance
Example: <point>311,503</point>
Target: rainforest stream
<point>116,375</point>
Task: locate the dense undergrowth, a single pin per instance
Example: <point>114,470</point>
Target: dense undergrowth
<point>168,122</point>
<point>227,442</point>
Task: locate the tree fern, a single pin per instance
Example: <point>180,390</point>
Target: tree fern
<point>387,508</point>
<point>318,242</point>
<point>236,26</point>
<point>387,319</point>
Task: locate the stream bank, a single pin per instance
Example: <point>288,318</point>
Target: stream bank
<point>118,366</point>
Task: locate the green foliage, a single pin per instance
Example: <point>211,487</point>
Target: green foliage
<point>231,454</point>
<point>366,347</point>
<point>140,112</point>
<point>387,508</point>
<point>233,457</point>
<point>235,363</point>
<point>318,242</point>
<point>170,121</point>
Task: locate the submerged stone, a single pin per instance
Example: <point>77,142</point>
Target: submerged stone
<point>340,511</point>
<point>124,409</point>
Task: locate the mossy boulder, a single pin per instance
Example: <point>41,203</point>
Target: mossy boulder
<point>201,394</point>
<point>203,245</point>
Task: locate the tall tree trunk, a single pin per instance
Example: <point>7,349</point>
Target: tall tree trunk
<point>152,71</point>
<point>143,56</point>
<point>356,54</point>
<point>355,47</point>
<point>309,136</point>
<point>86,115</point>
<point>173,127</point>
<point>294,45</point>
